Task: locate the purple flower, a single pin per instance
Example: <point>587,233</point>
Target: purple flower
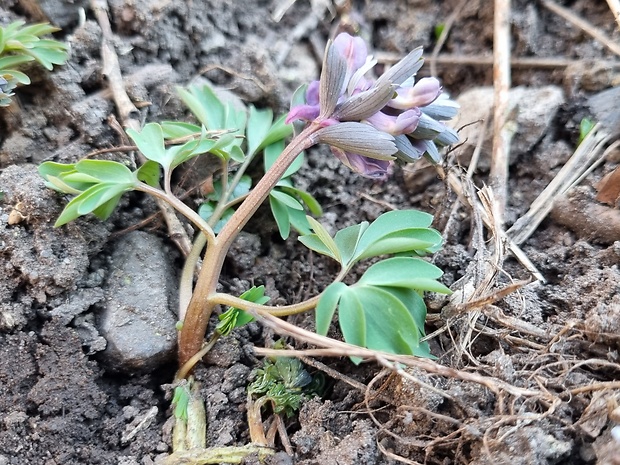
<point>369,123</point>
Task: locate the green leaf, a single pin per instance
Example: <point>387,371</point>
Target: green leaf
<point>392,221</point>
<point>389,325</point>
<point>205,105</point>
<point>322,234</point>
<point>286,199</point>
<point>415,240</point>
<point>280,213</point>
<point>180,401</point>
<point>235,317</point>
<point>273,151</point>
<point>150,141</point>
<point>259,123</point>
<point>278,131</point>
<point>106,171</point>
<point>177,129</point>
<point>347,240</point>
<point>326,308</point>
<point>352,319</point>
<point>399,272</point>
<point>149,173</point>
<point>585,126</point>
<point>97,195</point>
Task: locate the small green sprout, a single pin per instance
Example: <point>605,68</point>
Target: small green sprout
<point>20,44</point>
<point>285,383</point>
<point>438,30</point>
<point>585,126</point>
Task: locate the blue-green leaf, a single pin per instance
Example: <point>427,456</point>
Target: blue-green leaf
<point>352,319</point>
<point>205,105</point>
<point>286,199</point>
<point>104,211</point>
<point>150,141</point>
<point>393,221</point>
<point>326,308</point>
<point>259,123</point>
<point>312,203</point>
<point>177,129</point>
<point>273,151</point>
<point>400,272</point>
<point>279,130</point>
<point>414,240</point>
<point>390,326</point>
<point>313,242</point>
<point>299,221</point>
<point>347,239</point>
<point>322,234</point>
<point>280,213</point>
<point>97,195</point>
<point>206,212</point>
<point>149,173</point>
<point>106,171</point>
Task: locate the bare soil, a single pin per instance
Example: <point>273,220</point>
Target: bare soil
<point>557,343</point>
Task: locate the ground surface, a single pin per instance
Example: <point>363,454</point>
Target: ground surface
<point>63,402</point>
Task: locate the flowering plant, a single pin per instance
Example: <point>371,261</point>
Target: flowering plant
<point>402,117</point>
<point>368,124</point>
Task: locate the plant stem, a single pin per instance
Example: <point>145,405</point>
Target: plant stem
<point>200,307</point>
<point>181,208</point>
<point>285,310</point>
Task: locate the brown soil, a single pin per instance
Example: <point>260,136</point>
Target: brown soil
<point>556,343</point>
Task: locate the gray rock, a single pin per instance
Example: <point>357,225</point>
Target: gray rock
<point>604,108</point>
<point>137,320</point>
<point>531,109</point>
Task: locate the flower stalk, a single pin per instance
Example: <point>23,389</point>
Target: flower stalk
<point>201,305</point>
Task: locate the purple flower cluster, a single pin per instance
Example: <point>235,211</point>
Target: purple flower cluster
<point>369,123</point>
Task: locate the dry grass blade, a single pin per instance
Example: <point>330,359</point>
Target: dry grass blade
<point>583,25</point>
<point>333,348</point>
<point>503,130</point>
<point>614,6</point>
<point>588,153</point>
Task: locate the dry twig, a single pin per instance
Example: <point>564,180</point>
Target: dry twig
<point>128,114</point>
<point>503,130</point>
<point>584,25</point>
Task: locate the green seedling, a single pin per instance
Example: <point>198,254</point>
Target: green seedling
<point>369,126</point>
<point>20,44</point>
<point>585,126</point>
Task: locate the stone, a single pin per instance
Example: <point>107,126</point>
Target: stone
<point>532,110</point>
<point>137,321</point>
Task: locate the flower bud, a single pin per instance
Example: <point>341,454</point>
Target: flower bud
<point>423,93</point>
<point>403,123</point>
